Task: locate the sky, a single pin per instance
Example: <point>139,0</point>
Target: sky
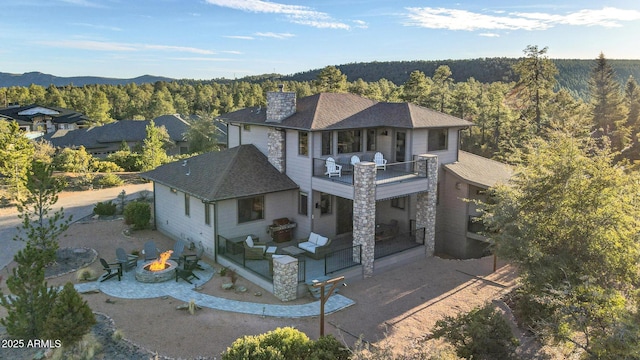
<point>210,39</point>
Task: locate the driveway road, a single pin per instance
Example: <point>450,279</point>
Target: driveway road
<point>79,204</point>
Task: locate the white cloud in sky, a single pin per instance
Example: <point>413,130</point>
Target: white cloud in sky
<point>489,35</point>
<point>274,35</point>
<point>298,14</point>
<point>99,27</point>
<point>113,46</point>
<point>240,37</point>
<point>453,19</point>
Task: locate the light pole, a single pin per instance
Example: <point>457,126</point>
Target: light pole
<point>324,297</point>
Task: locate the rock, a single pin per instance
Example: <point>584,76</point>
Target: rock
<point>241,289</point>
<point>257,294</point>
<point>227,286</point>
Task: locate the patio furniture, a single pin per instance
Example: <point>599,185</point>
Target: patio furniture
<point>333,169</point>
<point>111,270</point>
<point>128,261</point>
<point>194,258</point>
<point>381,162</point>
<point>150,251</point>
<point>178,249</point>
<point>186,272</point>
<point>354,160</point>
<point>387,231</point>
<point>316,246</point>
<point>253,250</point>
<point>293,251</point>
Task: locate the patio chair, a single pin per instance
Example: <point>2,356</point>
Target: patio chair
<point>178,249</point>
<point>111,270</point>
<point>186,272</point>
<point>128,261</point>
<point>333,169</point>
<point>254,250</point>
<point>150,251</point>
<point>355,159</point>
<point>192,259</point>
<point>381,162</point>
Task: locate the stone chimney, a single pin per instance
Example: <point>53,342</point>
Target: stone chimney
<point>280,105</point>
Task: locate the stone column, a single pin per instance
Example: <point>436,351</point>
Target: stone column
<point>285,277</point>
<point>426,202</point>
<point>364,213</point>
<point>276,148</point>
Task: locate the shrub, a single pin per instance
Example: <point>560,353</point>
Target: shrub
<point>137,214</point>
<point>86,274</point>
<point>70,318</point>
<point>328,348</point>
<point>279,344</point>
<point>105,208</point>
<point>481,333</point>
<point>72,160</point>
<point>110,180</point>
<point>104,166</point>
<point>127,160</point>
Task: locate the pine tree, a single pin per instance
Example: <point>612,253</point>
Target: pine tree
<point>70,317</point>
<point>331,79</point>
<point>153,152</point>
<point>15,154</point>
<point>31,299</point>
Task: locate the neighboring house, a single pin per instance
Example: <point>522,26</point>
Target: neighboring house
<point>100,141</point>
<point>468,178</point>
<point>299,138</point>
<point>36,120</point>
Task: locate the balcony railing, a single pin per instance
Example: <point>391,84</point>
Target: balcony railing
<point>342,259</point>
<point>393,172</point>
<point>401,242</point>
<point>475,225</point>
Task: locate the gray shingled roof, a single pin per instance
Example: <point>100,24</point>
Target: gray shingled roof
<point>328,111</point>
<point>115,132</point>
<point>478,170</point>
<point>63,116</point>
<point>219,175</point>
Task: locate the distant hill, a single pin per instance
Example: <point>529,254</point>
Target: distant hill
<point>573,73</point>
<point>38,78</point>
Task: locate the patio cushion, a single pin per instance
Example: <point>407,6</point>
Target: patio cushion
<point>321,240</point>
<point>249,241</point>
<point>308,246</point>
<point>313,238</point>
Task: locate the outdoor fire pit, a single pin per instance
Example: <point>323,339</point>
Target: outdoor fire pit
<point>159,270</point>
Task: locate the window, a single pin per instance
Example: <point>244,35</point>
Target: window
<point>371,140</point>
<point>246,127</point>
<point>207,214</point>
<point>303,143</point>
<point>327,142</point>
<point>250,209</point>
<point>349,141</point>
<point>186,204</point>
<point>325,204</point>
<point>303,203</point>
<point>398,203</point>
<point>437,139</point>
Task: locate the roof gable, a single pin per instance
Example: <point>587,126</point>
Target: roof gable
<point>478,170</point>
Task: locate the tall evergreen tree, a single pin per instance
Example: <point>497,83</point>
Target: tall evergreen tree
<point>16,152</point>
<point>331,79</point>
<point>416,88</point>
<point>153,152</point>
<point>608,110</point>
<point>441,90</point>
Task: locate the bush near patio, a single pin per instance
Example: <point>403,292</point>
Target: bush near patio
<point>137,214</point>
<point>106,208</point>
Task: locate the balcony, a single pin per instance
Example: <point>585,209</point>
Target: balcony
<point>396,180</point>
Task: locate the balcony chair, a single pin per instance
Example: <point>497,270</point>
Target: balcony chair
<point>111,270</point>
<point>128,261</point>
<point>333,169</point>
<point>354,160</point>
<point>381,162</point>
<point>254,250</point>
<point>150,251</point>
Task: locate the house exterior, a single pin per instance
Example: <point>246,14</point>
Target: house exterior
<point>295,143</point>
<point>100,141</point>
<point>36,120</point>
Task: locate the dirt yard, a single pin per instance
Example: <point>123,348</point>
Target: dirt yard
<point>395,307</point>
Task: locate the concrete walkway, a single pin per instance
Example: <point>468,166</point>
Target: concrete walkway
<point>130,288</point>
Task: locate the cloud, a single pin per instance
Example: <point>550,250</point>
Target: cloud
<point>360,24</point>
<point>489,35</point>
<point>453,19</point>
<point>113,46</point>
<point>274,35</point>
<point>99,27</point>
<point>84,3</point>
<point>297,14</point>
<point>241,37</point>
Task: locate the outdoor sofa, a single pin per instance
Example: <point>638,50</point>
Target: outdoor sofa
<point>316,246</point>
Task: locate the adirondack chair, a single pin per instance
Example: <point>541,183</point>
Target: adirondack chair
<point>381,162</point>
<point>127,261</point>
<point>111,270</point>
<point>186,272</point>
<point>192,259</point>
<point>178,249</point>
<point>355,159</point>
<point>333,169</point>
<point>150,251</point>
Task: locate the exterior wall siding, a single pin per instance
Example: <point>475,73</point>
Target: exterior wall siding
<point>171,220</point>
<point>452,217</point>
<point>233,133</point>
<point>256,135</point>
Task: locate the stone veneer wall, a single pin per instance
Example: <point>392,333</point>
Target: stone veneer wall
<point>426,201</point>
<point>276,148</point>
<point>364,213</point>
<point>280,105</point>
<point>285,277</point>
